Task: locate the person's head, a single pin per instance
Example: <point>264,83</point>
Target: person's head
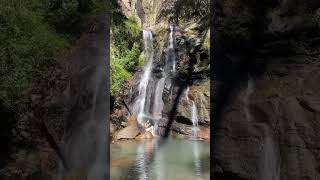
<point>147,124</point>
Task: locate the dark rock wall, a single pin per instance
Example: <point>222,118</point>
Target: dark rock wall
<point>276,44</point>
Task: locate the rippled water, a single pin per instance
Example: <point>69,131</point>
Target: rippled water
<point>157,159</point>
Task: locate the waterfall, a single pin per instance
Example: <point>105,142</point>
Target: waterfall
<point>171,58</point>
<point>171,37</point>
<point>195,127</point>
<point>246,98</point>
<point>158,102</point>
<point>143,85</point>
<point>194,116</point>
<point>149,103</point>
<point>269,167</point>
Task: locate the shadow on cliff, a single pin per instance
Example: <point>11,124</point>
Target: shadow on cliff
<point>234,59</point>
<point>182,87</point>
<point>7,123</point>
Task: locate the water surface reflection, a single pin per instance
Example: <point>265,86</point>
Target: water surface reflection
<point>158,159</point>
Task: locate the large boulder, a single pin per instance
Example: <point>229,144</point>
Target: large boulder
<point>131,131</point>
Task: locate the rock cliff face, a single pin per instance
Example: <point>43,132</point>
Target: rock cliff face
<point>200,95</point>
<point>191,49</point>
<point>266,62</point>
<point>146,12</point>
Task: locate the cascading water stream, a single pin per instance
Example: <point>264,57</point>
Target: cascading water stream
<point>158,102</point>
<point>195,129</point>
<point>171,58</point>
<point>194,116</point>
<point>269,166</point>
<point>149,104</point>
<point>171,45</point>
<point>195,120</point>
<point>246,98</point>
<point>143,85</point>
<point>171,37</point>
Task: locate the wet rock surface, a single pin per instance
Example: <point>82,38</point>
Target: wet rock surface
<point>131,130</point>
<point>191,55</point>
<point>126,99</point>
<point>200,94</point>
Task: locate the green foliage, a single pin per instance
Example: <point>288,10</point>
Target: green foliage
<point>125,50</point>
<point>118,72</point>
<point>187,9</point>
<point>125,33</point>
<point>142,59</point>
<point>183,71</point>
<point>131,58</point>
<point>32,32</point>
<point>67,19</point>
<point>27,47</point>
<point>100,6</point>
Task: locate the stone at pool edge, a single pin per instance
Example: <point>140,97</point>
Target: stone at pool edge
<point>129,132</point>
<point>132,132</point>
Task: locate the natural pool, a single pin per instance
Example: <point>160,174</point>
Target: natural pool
<point>158,159</point>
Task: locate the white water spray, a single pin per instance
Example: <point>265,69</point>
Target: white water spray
<point>143,85</point>
<point>269,167</point>
<point>194,116</point>
<point>195,120</point>
<point>149,104</point>
<point>158,102</point>
<point>171,37</point>
<point>246,98</point>
<point>171,49</point>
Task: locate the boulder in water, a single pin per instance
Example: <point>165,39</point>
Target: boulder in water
<point>129,132</point>
<point>146,135</point>
<point>204,133</point>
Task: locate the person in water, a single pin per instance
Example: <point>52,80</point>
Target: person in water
<point>149,131</point>
<point>149,128</point>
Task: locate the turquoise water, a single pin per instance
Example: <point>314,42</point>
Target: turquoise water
<point>157,159</point>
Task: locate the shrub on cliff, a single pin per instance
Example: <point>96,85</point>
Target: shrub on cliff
<point>31,33</point>
<point>125,50</point>
<point>27,47</point>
